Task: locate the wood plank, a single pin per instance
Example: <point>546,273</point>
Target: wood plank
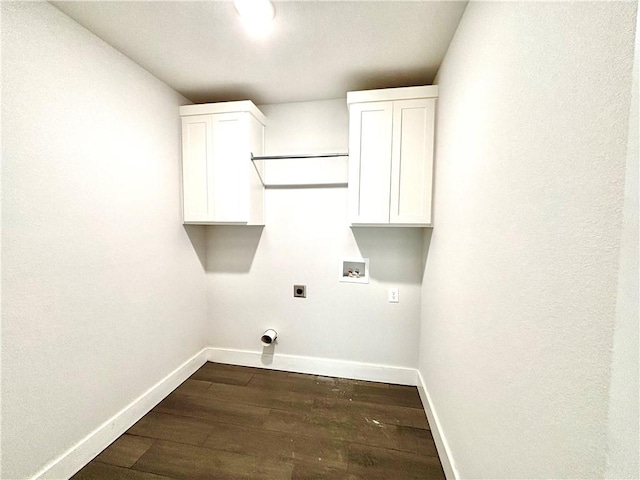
<point>378,463</point>
<point>340,409</point>
<point>351,429</point>
<point>212,409</point>
<point>251,441</point>
<point>125,451</point>
<point>321,451</point>
<point>176,428</point>
<point>404,397</point>
<point>426,445</point>
<point>104,471</point>
<point>213,373</point>
<point>268,398</point>
<point>282,446</point>
<point>316,471</point>
<point>309,425</point>
<point>193,387</point>
<point>395,437</point>
<point>304,384</point>
<point>179,460</point>
<point>384,386</point>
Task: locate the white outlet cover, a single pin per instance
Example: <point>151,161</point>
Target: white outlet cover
<point>394,295</point>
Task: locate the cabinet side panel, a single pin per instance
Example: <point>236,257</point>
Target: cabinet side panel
<point>354,163</point>
<point>195,145</point>
<point>412,162</point>
<point>229,200</point>
<point>373,164</point>
<point>255,184</point>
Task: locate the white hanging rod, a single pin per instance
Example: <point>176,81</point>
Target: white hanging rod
<point>284,157</point>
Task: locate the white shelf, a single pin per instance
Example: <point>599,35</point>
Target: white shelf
<point>303,170</point>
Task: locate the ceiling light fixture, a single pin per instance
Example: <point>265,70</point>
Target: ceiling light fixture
<point>256,15</point>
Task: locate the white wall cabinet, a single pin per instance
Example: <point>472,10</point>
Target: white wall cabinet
<point>220,185</point>
<point>391,156</point>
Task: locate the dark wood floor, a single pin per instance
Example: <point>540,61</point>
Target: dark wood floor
<point>230,422</point>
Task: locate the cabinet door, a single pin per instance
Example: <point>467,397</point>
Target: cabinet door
<point>370,162</point>
<point>412,161</point>
<point>196,150</point>
<point>229,172</point>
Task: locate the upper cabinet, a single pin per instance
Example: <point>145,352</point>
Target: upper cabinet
<point>391,156</point>
<point>220,184</point>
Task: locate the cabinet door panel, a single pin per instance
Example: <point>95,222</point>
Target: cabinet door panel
<point>228,176</point>
<point>412,161</point>
<point>196,148</point>
<point>369,162</point>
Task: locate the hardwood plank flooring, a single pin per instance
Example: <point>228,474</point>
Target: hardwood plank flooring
<point>231,422</point>
<point>125,451</point>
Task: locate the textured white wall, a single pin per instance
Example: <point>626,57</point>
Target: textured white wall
<point>520,284</point>
<point>251,271</point>
<point>102,291</point>
<point>624,419</point>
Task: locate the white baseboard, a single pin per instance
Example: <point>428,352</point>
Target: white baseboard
<point>315,366</point>
<point>80,454</point>
<point>444,452</point>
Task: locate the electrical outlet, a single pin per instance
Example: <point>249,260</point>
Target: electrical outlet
<point>394,295</point>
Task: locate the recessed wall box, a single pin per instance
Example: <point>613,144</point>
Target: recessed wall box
<point>354,270</point>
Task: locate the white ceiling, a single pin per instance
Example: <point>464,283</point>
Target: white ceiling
<point>318,49</point>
